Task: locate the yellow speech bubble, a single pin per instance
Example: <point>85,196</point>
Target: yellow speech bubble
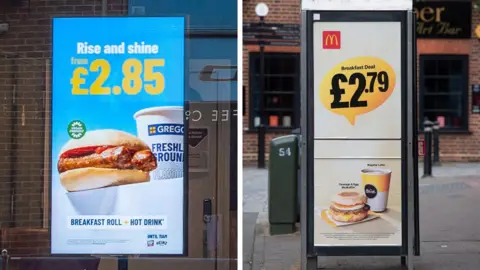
<point>357,86</point>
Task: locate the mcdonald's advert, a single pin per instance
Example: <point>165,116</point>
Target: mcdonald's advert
<point>357,84</point>
<point>357,134</point>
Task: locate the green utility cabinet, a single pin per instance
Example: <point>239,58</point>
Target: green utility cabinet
<point>282,184</point>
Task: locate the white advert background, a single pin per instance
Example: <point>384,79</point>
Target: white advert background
<point>375,39</point>
<point>155,198</point>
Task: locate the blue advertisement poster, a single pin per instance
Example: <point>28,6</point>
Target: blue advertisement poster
<point>117,136</point>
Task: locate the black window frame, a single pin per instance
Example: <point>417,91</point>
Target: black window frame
<point>295,120</point>
<point>464,77</point>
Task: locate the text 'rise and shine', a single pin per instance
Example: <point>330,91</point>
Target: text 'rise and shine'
<point>135,48</point>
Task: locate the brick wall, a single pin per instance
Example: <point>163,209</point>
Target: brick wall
<point>24,52</point>
<point>460,147</point>
<point>453,147</point>
<point>280,11</point>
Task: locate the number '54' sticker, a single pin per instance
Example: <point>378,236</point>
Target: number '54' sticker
<point>357,86</point>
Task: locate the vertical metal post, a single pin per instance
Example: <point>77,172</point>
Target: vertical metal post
<point>122,263</point>
<point>104,7</point>
<point>261,127</point>
<point>5,258</point>
<point>427,160</point>
<point>411,43</point>
<point>13,141</point>
<point>207,219</point>
<point>436,143</point>
<point>415,206</point>
<point>306,262</point>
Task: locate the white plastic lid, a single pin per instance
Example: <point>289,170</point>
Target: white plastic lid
<point>162,110</point>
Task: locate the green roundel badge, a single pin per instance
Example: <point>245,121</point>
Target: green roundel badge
<point>76,129</point>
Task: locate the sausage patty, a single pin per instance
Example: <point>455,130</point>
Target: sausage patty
<point>119,157</point>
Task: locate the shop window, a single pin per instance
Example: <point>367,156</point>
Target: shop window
<point>281,92</point>
<point>444,91</point>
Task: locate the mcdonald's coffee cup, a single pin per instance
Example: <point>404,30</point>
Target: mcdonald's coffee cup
<point>162,129</point>
<point>376,184</point>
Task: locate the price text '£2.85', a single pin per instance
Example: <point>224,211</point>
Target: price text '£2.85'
<point>137,75</point>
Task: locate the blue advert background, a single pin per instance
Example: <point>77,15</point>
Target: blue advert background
<point>76,216</point>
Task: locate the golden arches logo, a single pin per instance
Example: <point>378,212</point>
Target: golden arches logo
<point>330,39</point>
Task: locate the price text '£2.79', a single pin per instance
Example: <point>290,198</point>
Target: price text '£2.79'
<point>137,75</point>
<point>357,86</point>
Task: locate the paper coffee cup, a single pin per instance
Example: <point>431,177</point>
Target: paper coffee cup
<point>161,128</point>
<point>376,184</point>
<point>100,201</point>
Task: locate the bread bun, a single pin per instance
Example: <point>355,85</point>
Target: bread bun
<point>350,217</point>
<point>105,137</point>
<point>348,198</point>
<point>93,178</point>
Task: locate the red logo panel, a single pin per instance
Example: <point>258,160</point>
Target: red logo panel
<point>332,40</point>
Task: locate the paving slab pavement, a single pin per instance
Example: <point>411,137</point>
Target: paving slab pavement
<point>449,231</point>
<point>249,233</point>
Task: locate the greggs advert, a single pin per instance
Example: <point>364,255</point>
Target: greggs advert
<point>117,182</point>
<point>357,134</point>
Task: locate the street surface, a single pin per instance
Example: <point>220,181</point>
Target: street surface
<point>449,226</point>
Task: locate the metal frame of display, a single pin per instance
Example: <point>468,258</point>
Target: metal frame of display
<point>409,204</point>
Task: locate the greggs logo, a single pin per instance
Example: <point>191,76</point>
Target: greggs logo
<point>331,40</point>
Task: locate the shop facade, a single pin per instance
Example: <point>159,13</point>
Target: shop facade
<point>448,55</point>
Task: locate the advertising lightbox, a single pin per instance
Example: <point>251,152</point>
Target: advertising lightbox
<point>357,133</point>
<point>117,163</point>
